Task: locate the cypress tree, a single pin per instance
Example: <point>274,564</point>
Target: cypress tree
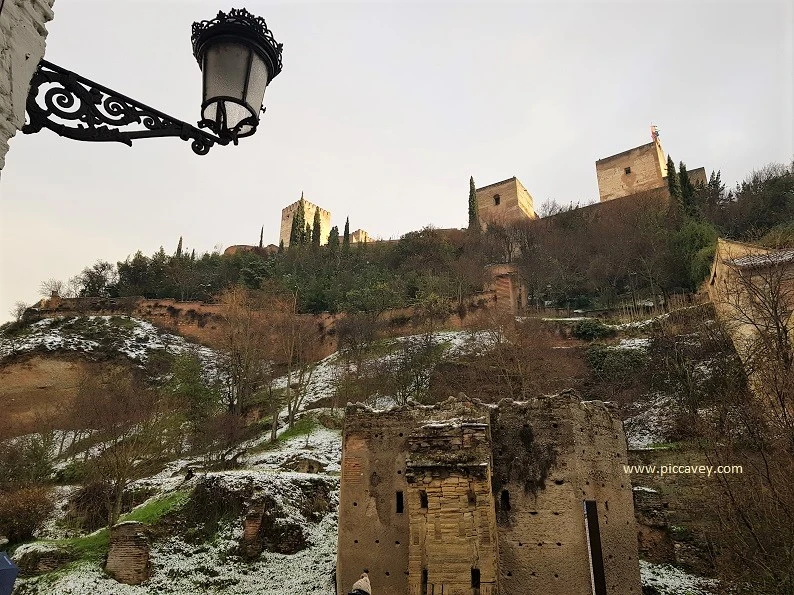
<point>307,234</point>
<point>294,235</point>
<point>316,229</point>
<point>346,236</point>
<point>261,236</point>
<point>687,191</point>
<point>333,240</point>
<point>193,254</point>
<point>281,246</point>
<point>673,184</point>
<point>179,248</point>
<point>474,216</point>
<point>298,225</point>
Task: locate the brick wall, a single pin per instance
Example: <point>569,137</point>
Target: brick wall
<point>128,557</point>
<point>22,35</point>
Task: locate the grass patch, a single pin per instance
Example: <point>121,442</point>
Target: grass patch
<point>152,511</point>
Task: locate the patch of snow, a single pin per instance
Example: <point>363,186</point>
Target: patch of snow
<point>641,344</point>
<point>649,426</point>
<point>644,489</point>
<point>321,444</point>
<point>669,580</point>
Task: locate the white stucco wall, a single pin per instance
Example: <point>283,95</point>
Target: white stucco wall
<point>22,35</point>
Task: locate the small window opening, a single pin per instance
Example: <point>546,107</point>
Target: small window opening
<point>400,503</point>
<point>627,170</point>
<point>504,500</point>
<point>422,499</point>
<point>496,200</point>
<point>475,578</point>
<point>424,581</point>
<point>472,497</point>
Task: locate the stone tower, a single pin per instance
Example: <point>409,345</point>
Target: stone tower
<point>288,214</point>
<point>637,170</point>
<point>504,202</point>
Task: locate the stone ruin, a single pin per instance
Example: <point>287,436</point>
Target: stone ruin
<point>128,557</point>
<point>468,498</point>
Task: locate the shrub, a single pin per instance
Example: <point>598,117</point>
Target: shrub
<point>590,329</point>
<point>23,510</point>
<point>615,365</point>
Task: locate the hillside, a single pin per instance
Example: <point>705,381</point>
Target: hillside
<point>191,552</point>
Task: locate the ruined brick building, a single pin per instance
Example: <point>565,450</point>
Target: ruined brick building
<point>465,498</point>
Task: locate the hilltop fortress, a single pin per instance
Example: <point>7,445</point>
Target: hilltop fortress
<point>637,172</point>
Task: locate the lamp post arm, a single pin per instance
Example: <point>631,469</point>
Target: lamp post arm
<point>92,112</point>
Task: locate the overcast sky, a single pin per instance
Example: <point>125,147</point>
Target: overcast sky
<point>383,111</point>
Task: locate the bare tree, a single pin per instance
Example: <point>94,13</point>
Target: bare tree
<point>246,340</point>
<point>756,300</point>
<point>51,287</point>
<point>18,310</point>
<point>131,427</point>
<point>297,348</point>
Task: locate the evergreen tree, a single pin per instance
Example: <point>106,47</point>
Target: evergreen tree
<point>687,191</point>
<point>346,237</point>
<point>307,234</point>
<point>673,183</point>
<point>316,229</point>
<point>179,248</point>
<point>474,216</point>
<point>294,233</point>
<point>193,255</point>
<point>711,196</point>
<point>333,240</point>
<point>261,236</point>
<point>281,246</point>
<point>298,225</point>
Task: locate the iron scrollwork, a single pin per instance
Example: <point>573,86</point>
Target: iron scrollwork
<point>101,113</point>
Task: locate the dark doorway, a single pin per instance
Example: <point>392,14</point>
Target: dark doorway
<point>594,547</point>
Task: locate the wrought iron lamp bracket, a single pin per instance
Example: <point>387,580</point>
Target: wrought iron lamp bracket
<point>100,114</point>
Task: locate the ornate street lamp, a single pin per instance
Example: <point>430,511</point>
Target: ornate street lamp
<point>238,57</point>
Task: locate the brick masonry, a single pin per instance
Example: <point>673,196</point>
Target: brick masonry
<point>479,499</point>
<point>22,35</point>
<point>128,557</point>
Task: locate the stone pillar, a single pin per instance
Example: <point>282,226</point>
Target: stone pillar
<point>22,36</point>
<point>128,558</point>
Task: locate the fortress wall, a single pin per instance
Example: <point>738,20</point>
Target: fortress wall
<point>561,453</point>
<point>508,483</point>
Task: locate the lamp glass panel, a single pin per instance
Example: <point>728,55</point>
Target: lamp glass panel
<point>257,81</point>
<point>225,64</point>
